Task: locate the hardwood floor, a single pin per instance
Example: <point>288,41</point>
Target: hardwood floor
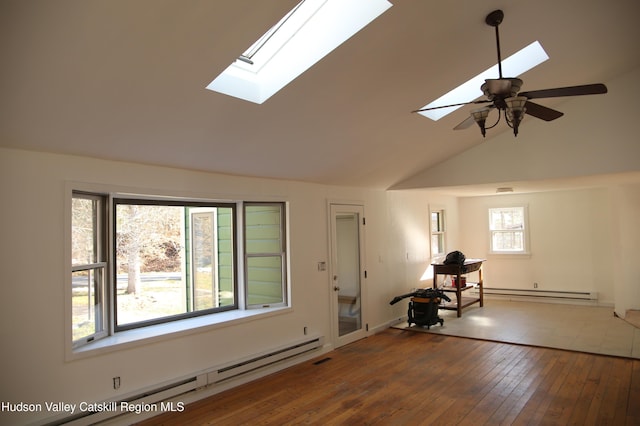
<point>401,377</point>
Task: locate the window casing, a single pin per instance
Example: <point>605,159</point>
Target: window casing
<point>508,230</point>
<point>139,262</point>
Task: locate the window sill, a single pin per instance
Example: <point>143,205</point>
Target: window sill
<point>171,330</point>
<point>503,255</point>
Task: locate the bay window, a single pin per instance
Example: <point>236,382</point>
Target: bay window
<point>140,261</point>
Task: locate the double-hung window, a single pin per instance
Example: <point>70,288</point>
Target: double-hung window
<point>437,233</point>
<point>88,267</point>
<point>265,254</point>
<point>508,230</point>
<point>139,261</point>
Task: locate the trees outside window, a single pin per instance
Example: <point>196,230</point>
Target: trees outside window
<point>508,230</point>
<point>168,260</point>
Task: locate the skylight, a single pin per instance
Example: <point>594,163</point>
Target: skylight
<point>305,35</point>
<point>513,66</point>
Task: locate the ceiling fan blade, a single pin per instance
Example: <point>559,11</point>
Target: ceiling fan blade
<point>482,101</point>
<point>465,124</point>
<point>587,89</point>
<point>542,112</point>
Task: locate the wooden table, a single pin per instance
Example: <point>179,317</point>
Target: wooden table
<point>460,302</point>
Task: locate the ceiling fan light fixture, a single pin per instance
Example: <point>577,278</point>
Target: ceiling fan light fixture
<point>516,84</point>
<point>515,111</point>
<point>516,64</point>
<point>501,87</point>
<point>480,116</point>
<point>504,92</point>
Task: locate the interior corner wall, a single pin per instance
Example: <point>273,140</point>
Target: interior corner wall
<point>625,241</point>
<point>34,366</point>
<point>570,242</point>
<point>409,246</point>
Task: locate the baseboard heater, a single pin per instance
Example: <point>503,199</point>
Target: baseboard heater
<point>157,396</point>
<point>154,399</point>
<point>253,363</point>
<point>548,294</point>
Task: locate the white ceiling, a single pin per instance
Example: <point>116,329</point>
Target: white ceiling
<point>125,80</point>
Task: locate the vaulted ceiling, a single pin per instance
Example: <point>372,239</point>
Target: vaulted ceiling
<point>125,80</point>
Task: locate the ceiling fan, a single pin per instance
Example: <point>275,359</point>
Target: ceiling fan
<point>503,95</point>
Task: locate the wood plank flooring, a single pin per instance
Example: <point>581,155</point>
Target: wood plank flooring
<point>400,377</point>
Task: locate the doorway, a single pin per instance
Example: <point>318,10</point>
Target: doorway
<point>347,273</point>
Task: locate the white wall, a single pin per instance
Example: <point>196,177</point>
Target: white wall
<point>625,242</point>
<point>409,251</point>
<point>570,242</point>
<point>33,280</point>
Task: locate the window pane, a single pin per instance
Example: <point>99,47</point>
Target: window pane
<point>437,244</point>
<point>84,215</point>
<point>204,256</point>
<point>85,302</point>
<point>172,260</point>
<point>508,241</point>
<point>437,221</point>
<point>226,247</point>
<point>264,253</point>
<point>506,218</point>
<point>264,280</point>
<point>263,229</point>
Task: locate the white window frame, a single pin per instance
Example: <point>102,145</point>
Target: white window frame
<point>96,268</point>
<point>523,232</point>
<point>213,214</point>
<point>282,254</point>
<point>112,340</point>
<point>441,233</point>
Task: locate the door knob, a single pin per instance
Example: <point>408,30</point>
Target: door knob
<point>336,288</point>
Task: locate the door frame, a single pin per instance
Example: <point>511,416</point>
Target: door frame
<point>334,208</point>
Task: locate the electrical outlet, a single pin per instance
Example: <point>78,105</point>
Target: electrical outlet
<point>116,382</point>
<point>535,285</point>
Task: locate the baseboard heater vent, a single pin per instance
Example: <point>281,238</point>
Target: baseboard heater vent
<point>543,294</point>
<point>256,362</point>
<point>153,400</point>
